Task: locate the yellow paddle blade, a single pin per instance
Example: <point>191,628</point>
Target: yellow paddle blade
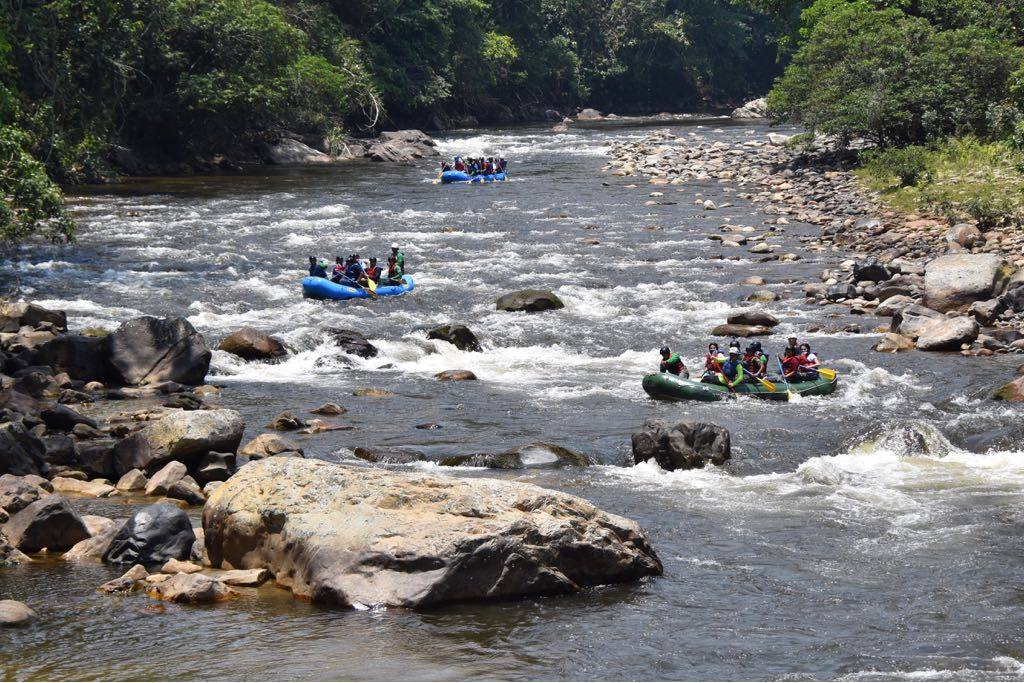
<point>767,385</point>
<point>826,373</point>
<point>371,285</point>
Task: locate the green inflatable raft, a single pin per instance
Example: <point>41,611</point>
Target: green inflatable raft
<point>661,385</point>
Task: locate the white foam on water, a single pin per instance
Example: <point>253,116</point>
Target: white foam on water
<point>295,240</point>
<point>887,480</point>
<point>1001,668</point>
<point>511,146</point>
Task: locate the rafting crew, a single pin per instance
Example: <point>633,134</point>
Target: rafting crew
<point>797,362</point>
<point>476,166</point>
<point>352,272</point>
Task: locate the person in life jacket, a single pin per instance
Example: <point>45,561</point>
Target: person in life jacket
<point>339,269</point>
<point>445,167</point>
<point>808,363</point>
<point>460,165</point>
<point>373,271</point>
<point>791,366</point>
<point>732,369</point>
<point>712,363</point>
<point>317,268</point>
<point>399,256</point>
<point>394,274</point>
<point>502,164</point>
<point>672,363</point>
<point>754,362</point>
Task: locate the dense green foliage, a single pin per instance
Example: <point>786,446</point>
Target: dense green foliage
<point>900,72</point>
<point>959,178</point>
<point>184,80</point>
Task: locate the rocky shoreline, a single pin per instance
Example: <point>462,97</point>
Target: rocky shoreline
<point>944,288</point>
<point>126,414</point>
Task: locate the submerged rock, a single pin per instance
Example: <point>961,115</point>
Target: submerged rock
<point>684,445</point>
<point>14,614</point>
<point>191,589</point>
<point>390,455</point>
<point>529,301</point>
<point>352,342</point>
<point>459,336</point>
<point>359,536</point>
<point>329,409</point>
<point>531,455</point>
<point>455,376</point>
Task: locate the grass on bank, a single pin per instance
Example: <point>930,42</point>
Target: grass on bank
<point>959,179</point>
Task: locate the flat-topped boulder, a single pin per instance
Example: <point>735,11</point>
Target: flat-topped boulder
<point>362,536</point>
<point>955,281</point>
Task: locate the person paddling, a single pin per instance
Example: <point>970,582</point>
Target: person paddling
<point>394,274</point>
<point>317,268</point>
<point>754,362</point>
<point>672,363</point>
<point>339,269</point>
<point>732,370</point>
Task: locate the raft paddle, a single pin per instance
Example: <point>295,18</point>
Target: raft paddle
<point>826,373</point>
<point>789,390</point>
<point>766,384</point>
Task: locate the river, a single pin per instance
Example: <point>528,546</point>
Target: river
<point>872,534</point>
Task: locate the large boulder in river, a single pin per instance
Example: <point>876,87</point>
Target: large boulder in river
<point>682,446</point>
<point>21,452</point>
<point>754,109</point>
<point>733,330</point>
<point>153,535</point>
<point>955,281</point>
<point>910,320</point>
<point>251,344</point>
<point>288,151</point>
<point>947,334</point>
<point>184,436</point>
<point>402,146</point>
<point>589,115</point>
<point>530,301</point>
<point>752,317</point>
<point>531,455</point>
<point>50,523</point>
<point>17,314</point>
<point>148,350</point>
<point>459,336</point>
<point>83,358</point>
<point>358,536</point>
<point>17,493</point>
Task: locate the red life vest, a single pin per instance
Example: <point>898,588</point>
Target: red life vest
<point>791,364</point>
<point>373,272</point>
<point>712,363</point>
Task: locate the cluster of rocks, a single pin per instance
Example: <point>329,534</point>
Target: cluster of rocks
<point>401,146</point>
<point>526,456</point>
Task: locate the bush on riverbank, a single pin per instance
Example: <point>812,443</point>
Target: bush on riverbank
<point>961,178</point>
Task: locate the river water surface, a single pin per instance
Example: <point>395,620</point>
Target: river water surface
<point>872,534</point>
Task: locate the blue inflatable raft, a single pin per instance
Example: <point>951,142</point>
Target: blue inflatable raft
<point>460,177</point>
<point>322,288</point>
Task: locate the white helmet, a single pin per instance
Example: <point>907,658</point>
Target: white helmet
<point>394,245</point>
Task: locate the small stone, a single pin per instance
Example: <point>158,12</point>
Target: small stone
<point>14,614</point>
<point>245,577</point>
<point>372,393</point>
<point>329,409</point>
<point>192,589</point>
<point>132,480</point>
<point>167,477</point>
<point>286,422</point>
<point>455,376</point>
<point>180,567</point>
